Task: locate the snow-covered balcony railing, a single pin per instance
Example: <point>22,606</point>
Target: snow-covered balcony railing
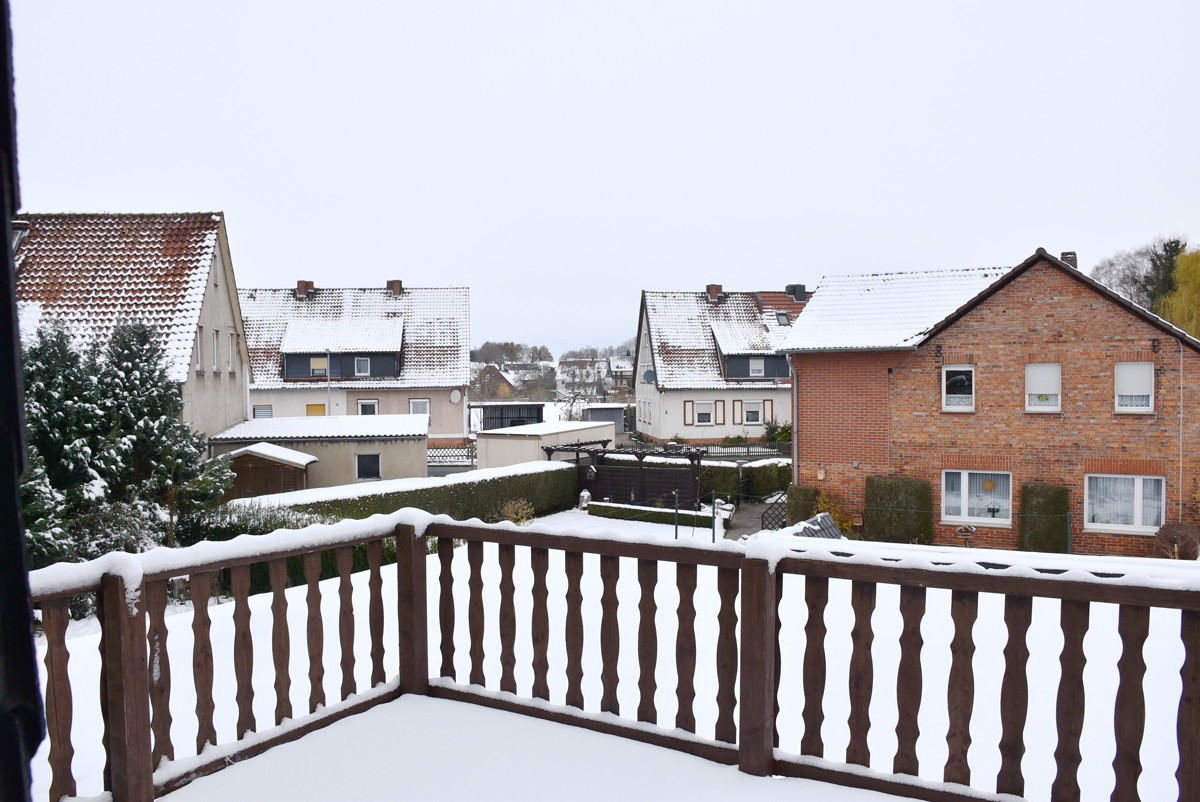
<point>925,674</point>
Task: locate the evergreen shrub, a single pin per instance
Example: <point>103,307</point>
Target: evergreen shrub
<point>650,515</point>
<point>1044,519</point>
<point>898,509</point>
<point>801,503</point>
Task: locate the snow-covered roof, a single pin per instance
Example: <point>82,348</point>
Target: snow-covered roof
<point>429,326</point>
<point>884,310</point>
<point>334,427</point>
<point>274,453</point>
<point>345,336</point>
<point>549,427</point>
<point>689,331</point>
<point>93,271</point>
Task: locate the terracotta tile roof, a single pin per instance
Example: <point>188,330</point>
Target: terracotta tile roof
<point>780,302</point>
<point>689,332</point>
<point>435,323</point>
<point>95,270</point>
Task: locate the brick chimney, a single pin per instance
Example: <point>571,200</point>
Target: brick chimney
<point>1070,258</point>
<point>714,291</point>
<point>303,289</point>
<point>395,286</point>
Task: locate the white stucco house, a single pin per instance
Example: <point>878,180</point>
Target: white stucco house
<point>172,272</point>
<point>706,366</point>
<point>392,350</point>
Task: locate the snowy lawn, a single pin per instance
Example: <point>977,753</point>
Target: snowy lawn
<point>449,745</point>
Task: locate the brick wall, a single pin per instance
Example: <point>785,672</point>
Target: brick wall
<point>851,409</point>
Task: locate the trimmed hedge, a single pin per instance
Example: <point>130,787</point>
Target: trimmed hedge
<point>801,503</point>
<point>547,491</point>
<point>723,479</point>
<point>1045,519</point>
<point>898,509</point>
<point>652,515</point>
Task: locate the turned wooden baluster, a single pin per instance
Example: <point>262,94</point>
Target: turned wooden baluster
<point>816,598</point>
<point>59,706</point>
<point>727,655</point>
<point>281,643</point>
<point>159,671</point>
<point>200,589</point>
<point>862,672</point>
<point>539,561</point>
<point>685,648</point>
<point>243,649</point>
<point>375,610</point>
<point>1130,714</point>
<point>960,691</point>
<point>573,563</point>
<point>908,680</point>
<point>345,563</point>
<point>316,632</point>
<point>508,620</point>
<point>1014,695</point>
<point>610,634</point>
<point>1073,619</point>
<point>475,620</point>
<point>446,605</point>
<point>647,641</point>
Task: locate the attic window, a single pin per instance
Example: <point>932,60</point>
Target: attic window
<point>758,366</point>
<point>782,319</point>
<point>362,366</point>
<point>318,366</point>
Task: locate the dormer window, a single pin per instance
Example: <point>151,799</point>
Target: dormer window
<point>362,366</point>
<point>318,366</point>
<point>758,366</point>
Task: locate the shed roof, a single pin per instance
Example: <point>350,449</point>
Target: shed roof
<point>429,326</point>
<point>335,427</point>
<point>93,271</point>
<point>274,453</point>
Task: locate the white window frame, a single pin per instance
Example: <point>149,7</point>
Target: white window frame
<point>958,407</point>
<point>752,406</point>
<point>368,402</point>
<point>270,411</point>
<point>1046,402</point>
<point>199,349</point>
<point>758,367</point>
<point>229,353</point>
<point>414,405</point>
<point>705,408</point>
<point>358,372</point>
<point>1138,528</point>
<point>1122,382</point>
<point>963,517</point>
<point>357,467</point>
<point>216,354</point>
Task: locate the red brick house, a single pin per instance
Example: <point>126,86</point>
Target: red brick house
<point>983,381</point>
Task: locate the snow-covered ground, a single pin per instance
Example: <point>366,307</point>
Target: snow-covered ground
<point>475,753</point>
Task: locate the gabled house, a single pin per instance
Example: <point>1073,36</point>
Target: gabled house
<point>706,363</point>
<point>386,351</point>
<point>991,384</point>
<point>170,271</point>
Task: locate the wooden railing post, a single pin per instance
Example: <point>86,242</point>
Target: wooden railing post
<point>127,691</point>
<point>414,625</point>
<point>756,724</point>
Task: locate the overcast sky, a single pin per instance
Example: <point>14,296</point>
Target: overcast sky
<point>559,157</point>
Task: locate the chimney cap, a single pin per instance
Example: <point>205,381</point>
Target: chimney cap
<point>1071,258</point>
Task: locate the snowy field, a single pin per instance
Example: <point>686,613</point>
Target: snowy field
<point>435,741</point>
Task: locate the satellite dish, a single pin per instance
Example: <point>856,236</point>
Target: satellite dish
<point>455,396</point>
<point>648,377</point>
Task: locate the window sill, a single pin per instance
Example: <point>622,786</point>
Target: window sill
<point>1040,411</point>
<point>368,479</point>
<point>1133,412</point>
<point>978,523</point>
<point>958,409</point>
<point>1120,530</point>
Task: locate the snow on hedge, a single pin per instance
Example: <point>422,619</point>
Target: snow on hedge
<point>315,495</point>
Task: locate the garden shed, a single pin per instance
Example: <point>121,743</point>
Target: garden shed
<point>264,468</point>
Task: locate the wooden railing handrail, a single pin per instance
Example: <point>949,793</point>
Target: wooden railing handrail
<point>170,563</point>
